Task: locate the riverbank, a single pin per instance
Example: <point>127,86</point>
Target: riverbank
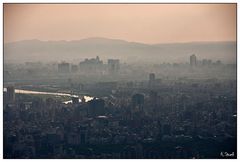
<point>31,92</point>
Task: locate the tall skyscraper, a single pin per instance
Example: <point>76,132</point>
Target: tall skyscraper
<point>64,67</point>
<point>10,94</point>
<point>113,66</point>
<point>193,60</point>
<point>151,79</point>
<point>138,101</point>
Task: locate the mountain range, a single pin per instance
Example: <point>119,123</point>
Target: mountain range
<point>75,51</point>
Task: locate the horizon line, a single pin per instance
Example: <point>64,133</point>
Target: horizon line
<point>117,39</point>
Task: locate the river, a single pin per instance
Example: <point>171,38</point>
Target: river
<point>21,91</point>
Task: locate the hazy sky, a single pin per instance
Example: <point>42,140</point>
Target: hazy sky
<point>148,23</point>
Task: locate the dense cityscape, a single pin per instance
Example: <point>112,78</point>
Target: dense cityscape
<point>111,109</point>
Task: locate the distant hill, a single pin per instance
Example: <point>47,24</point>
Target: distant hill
<point>36,50</point>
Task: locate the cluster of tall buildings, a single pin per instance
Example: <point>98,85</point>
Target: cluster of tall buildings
<point>92,65</point>
<point>204,62</point>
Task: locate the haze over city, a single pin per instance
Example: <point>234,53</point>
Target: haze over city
<point>120,81</point>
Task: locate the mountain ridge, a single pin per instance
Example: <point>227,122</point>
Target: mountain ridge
<point>37,50</point>
<point>114,39</point>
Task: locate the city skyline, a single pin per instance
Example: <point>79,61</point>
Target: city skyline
<point>139,81</point>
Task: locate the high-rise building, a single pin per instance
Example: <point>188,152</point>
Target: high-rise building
<point>138,101</point>
<point>113,66</point>
<point>96,107</point>
<point>64,67</point>
<point>93,65</point>
<point>74,68</point>
<point>193,60</point>
<point>151,79</point>
<point>10,95</point>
